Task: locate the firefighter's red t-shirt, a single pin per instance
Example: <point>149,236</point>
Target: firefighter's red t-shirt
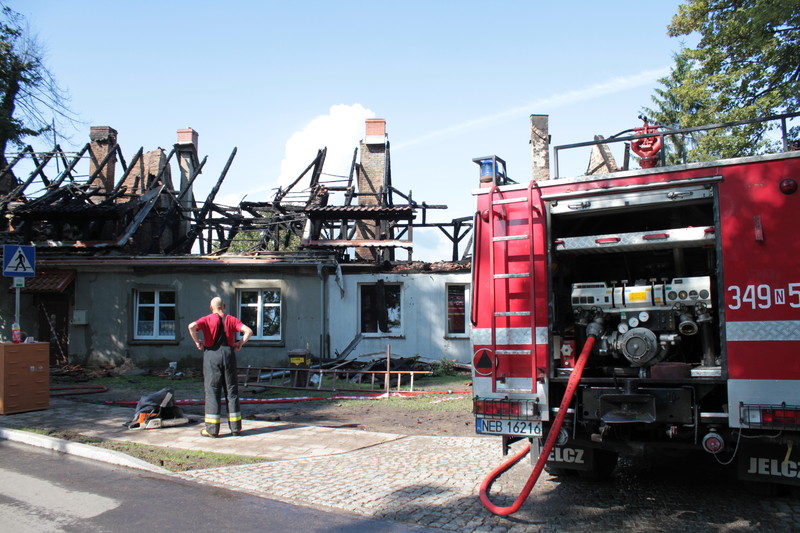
<point>209,325</point>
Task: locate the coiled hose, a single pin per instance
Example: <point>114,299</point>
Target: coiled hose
<point>552,436</point>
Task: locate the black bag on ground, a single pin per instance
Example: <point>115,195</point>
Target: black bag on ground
<point>155,405</point>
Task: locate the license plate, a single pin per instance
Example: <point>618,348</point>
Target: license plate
<point>527,428</point>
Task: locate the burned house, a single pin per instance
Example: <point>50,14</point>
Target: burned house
<point>127,256</point>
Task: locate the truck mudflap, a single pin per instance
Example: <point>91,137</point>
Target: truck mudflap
<point>571,457</point>
<point>589,462</point>
<point>770,463</point>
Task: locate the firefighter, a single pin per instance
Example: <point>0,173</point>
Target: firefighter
<point>219,365</point>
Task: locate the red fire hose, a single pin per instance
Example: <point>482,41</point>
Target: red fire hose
<point>81,389</point>
<point>552,435</point>
<point>293,399</point>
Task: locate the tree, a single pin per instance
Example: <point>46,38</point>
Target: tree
<point>672,111</point>
<point>746,65</point>
<point>30,99</point>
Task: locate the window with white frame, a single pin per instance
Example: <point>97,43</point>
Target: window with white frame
<point>154,316</point>
<point>260,309</point>
<point>381,308</point>
<point>456,310</point>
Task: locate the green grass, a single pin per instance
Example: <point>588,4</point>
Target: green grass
<point>146,384</point>
<point>449,402</point>
<point>183,460</point>
<point>443,403</point>
<point>168,458</point>
<point>177,460</point>
<point>459,381</point>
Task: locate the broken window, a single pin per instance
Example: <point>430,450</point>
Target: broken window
<point>154,314</point>
<point>260,309</point>
<point>456,306</point>
<point>381,308</point>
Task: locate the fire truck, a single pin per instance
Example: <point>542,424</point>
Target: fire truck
<point>655,309</point>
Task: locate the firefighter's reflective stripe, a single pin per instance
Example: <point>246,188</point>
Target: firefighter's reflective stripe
<point>212,419</point>
<point>508,336</point>
<point>235,417</point>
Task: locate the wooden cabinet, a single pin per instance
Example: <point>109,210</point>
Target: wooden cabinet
<point>24,377</point>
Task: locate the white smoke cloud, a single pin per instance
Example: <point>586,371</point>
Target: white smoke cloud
<point>339,131</point>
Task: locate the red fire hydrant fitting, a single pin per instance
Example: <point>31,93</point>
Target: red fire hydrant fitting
<point>647,148</point>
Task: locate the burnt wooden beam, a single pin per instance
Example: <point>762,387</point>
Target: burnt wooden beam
<point>40,166</point>
<point>68,170</point>
<point>198,168</point>
<point>187,242</point>
<point>102,164</point>
<point>147,202</point>
<point>282,193</point>
<point>320,161</point>
<point>225,243</point>
<point>352,169</point>
<point>20,155</point>
<point>160,176</point>
<point>214,190</point>
<point>387,176</point>
<point>19,189</point>
<point>129,169</point>
<point>121,159</point>
<point>63,157</point>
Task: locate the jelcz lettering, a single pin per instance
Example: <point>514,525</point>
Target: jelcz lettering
<point>765,466</point>
<point>567,455</point>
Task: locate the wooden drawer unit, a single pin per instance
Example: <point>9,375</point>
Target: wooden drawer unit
<point>24,377</point>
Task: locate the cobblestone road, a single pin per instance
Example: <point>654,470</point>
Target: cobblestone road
<point>433,481</point>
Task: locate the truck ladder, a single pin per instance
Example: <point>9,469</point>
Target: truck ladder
<point>500,271</point>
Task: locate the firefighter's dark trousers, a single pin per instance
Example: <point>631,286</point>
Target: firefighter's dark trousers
<point>219,373</point>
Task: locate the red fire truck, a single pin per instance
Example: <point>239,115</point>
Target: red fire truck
<point>649,309</point>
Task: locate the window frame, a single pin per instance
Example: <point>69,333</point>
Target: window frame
<point>261,288</point>
<point>401,296</point>
<point>156,306</point>
<point>450,334</point>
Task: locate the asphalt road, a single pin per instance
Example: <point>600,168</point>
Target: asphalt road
<point>45,491</point>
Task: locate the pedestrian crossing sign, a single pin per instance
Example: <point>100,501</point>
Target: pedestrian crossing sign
<point>19,261</point>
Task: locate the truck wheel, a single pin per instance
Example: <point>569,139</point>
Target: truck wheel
<point>604,463</point>
<point>560,472</point>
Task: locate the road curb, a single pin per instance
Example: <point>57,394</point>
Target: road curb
<point>78,449</point>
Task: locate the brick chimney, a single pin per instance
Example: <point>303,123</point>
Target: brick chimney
<point>375,131</point>
<point>187,136</point>
<point>540,147</point>
<point>103,139</point>
<point>371,179</point>
<point>186,150</point>
<point>371,175</point>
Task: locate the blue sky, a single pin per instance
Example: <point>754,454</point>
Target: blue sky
<point>279,80</point>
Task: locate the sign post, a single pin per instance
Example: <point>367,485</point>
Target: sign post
<point>19,262</point>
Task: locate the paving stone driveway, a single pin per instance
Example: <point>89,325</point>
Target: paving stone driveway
<point>433,482</point>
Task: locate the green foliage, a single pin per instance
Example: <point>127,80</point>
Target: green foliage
<point>746,65</point>
<point>275,238</point>
<point>245,241</point>
<point>30,99</point>
<point>444,367</point>
<point>671,110</point>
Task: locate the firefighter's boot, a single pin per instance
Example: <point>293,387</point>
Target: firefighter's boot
<point>212,426</point>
